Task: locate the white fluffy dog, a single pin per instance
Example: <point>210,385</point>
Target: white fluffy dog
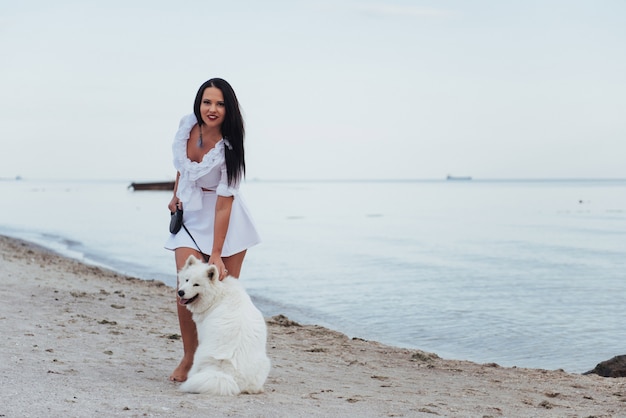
<point>231,357</point>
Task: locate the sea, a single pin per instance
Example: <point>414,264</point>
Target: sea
<point>526,273</point>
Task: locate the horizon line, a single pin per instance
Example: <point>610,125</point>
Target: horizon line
<point>453,179</point>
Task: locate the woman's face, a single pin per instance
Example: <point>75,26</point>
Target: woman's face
<point>212,107</point>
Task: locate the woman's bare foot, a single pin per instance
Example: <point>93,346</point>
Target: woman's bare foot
<point>180,373</point>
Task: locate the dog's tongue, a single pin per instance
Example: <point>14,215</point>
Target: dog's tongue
<point>183,301</point>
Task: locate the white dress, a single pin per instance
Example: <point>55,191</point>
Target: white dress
<point>199,205</point>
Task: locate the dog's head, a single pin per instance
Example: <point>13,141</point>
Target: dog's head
<point>197,284</point>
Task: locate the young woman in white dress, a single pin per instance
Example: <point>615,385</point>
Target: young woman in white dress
<point>209,158</point>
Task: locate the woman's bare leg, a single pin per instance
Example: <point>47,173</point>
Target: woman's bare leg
<point>233,263</point>
<point>187,326</point>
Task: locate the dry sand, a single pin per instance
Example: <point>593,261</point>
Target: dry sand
<point>80,341</point>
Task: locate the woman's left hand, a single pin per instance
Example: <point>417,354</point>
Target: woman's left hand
<point>219,263</point>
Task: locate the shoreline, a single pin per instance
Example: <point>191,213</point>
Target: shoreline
<point>88,341</point>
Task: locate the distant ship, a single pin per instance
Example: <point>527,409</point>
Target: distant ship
<point>449,177</point>
<point>158,185</point>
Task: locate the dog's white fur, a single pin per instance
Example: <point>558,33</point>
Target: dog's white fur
<point>231,355</point>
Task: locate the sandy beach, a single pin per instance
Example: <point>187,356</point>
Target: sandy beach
<point>81,341</point>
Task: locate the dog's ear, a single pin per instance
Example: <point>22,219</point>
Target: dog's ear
<point>212,273</point>
<point>191,261</point>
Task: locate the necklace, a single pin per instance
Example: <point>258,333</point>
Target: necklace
<point>200,138</point>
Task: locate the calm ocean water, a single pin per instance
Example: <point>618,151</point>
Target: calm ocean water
<point>521,273</point>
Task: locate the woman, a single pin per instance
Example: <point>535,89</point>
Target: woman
<point>209,159</point>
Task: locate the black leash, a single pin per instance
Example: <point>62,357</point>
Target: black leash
<point>204,256</point>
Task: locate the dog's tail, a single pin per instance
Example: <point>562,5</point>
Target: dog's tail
<point>211,381</point>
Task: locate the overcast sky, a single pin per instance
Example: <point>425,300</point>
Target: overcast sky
<point>330,89</point>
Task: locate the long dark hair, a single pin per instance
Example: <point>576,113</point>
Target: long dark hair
<point>232,128</point>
